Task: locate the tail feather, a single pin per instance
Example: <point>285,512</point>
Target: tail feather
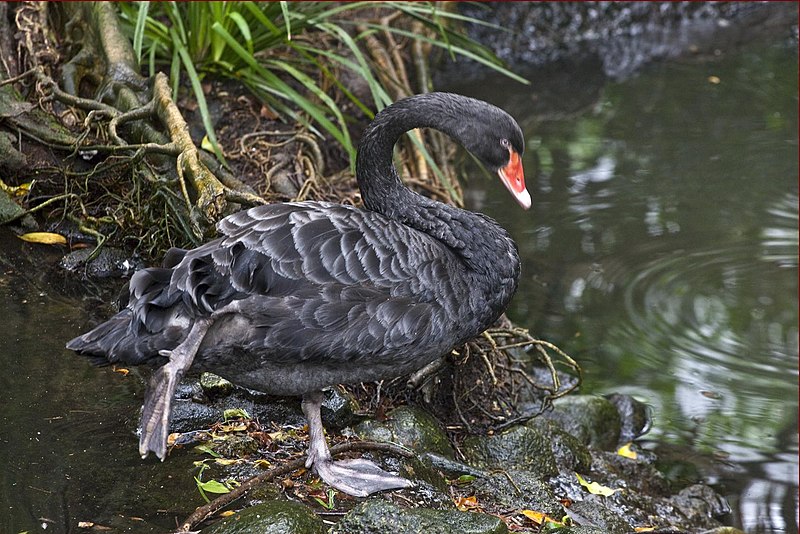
<point>102,344</point>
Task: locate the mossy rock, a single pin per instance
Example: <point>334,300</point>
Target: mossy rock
<point>377,515</point>
<point>9,210</point>
<point>592,420</point>
<point>519,447</point>
<point>522,490</point>
<point>274,517</point>
<point>215,386</point>
<point>601,516</point>
<point>570,453</point>
<point>412,427</point>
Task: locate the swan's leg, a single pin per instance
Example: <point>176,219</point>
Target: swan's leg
<point>161,388</point>
<point>354,477</point>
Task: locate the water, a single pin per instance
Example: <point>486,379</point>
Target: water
<point>662,249</point>
<point>661,252</point>
<point>67,430</point>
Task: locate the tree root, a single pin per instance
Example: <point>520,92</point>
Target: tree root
<point>205,511</point>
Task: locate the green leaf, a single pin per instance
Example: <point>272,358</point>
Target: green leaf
<point>212,486</point>
<point>235,413</point>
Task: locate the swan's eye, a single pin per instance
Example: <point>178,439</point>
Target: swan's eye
<point>505,143</point>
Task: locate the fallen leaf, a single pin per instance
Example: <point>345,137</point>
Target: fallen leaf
<point>45,238</point>
<point>540,517</point>
<point>235,413</point>
<point>85,524</point>
<point>463,479</point>
<point>644,529</point>
<point>120,370</point>
<point>17,190</point>
<point>227,513</point>
<point>212,486</point>
<point>467,503</point>
<point>714,79</point>
<point>596,488</point>
<point>627,452</point>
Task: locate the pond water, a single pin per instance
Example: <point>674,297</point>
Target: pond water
<point>661,252</point>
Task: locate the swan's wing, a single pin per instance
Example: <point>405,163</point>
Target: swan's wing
<point>319,277</point>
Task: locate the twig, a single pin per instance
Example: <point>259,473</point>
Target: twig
<point>205,511</point>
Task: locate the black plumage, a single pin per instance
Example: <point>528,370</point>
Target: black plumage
<point>295,297</point>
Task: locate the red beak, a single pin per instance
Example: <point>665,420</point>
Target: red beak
<point>513,178</point>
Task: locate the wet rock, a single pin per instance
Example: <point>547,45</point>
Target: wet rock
<point>515,489</point>
<point>411,427</point>
<point>700,503</point>
<point>215,386</point>
<point>519,447</point>
<point>431,489</point>
<point>592,420</point>
<point>591,512</point>
<point>338,409</point>
<point>109,263</point>
<point>234,446</point>
<point>378,515</point>
<point>188,416</point>
<point>569,452</point>
<point>273,517</point>
<point>582,530</point>
<point>635,417</point>
<point>636,475</point>
<point>9,210</point>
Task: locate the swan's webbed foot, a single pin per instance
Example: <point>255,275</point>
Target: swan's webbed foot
<point>161,389</point>
<point>358,477</point>
<point>355,477</point>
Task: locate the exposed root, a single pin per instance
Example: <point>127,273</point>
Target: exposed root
<point>501,378</point>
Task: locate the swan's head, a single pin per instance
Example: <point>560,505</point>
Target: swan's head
<point>498,142</point>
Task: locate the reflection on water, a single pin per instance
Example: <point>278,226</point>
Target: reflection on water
<point>67,430</point>
<point>662,251</point>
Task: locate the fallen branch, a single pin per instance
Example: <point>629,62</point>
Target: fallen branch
<point>205,511</point>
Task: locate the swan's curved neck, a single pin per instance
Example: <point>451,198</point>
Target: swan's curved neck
<point>484,246</point>
<point>381,188</point>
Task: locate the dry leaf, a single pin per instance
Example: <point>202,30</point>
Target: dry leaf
<point>644,529</point>
<point>120,370</point>
<point>467,503</point>
<point>539,517</point>
<point>227,513</point>
<point>596,488</point>
<point>714,80</point>
<point>45,238</point>
<point>627,452</point>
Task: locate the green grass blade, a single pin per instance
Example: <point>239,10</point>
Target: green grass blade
<point>272,81</point>
<point>287,20</point>
<point>138,32</point>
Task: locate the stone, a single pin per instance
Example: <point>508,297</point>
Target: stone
<point>515,489</point>
<point>215,386</point>
<point>338,409</point>
<point>411,427</point>
<point>636,417</point>
<point>591,419</point>
<point>273,517</point>
<point>519,447</point>
<point>378,515</point>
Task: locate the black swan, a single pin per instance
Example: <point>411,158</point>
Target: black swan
<point>299,296</point>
